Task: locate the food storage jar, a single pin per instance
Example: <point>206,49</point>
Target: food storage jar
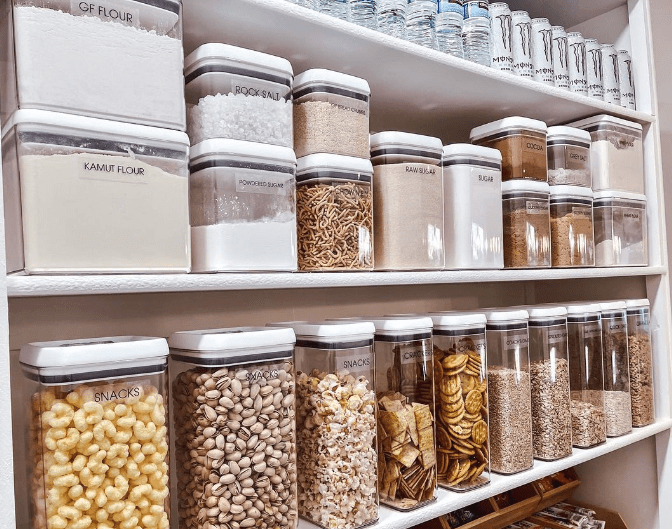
<point>336,423</point>
<point>407,204</point>
<point>331,114</point>
<point>641,361</point>
<point>243,210</point>
<point>461,399</point>
<point>84,195</point>
<point>521,141</point>
<point>472,196</point>
<point>549,379</point>
<point>97,438</point>
<point>510,405</point>
<point>239,94</point>
<point>233,397</point>
<point>572,243</point>
<point>334,213</point>
<point>617,159</point>
<point>94,59</point>
<point>620,229</point>
<point>617,403</point>
<point>568,157</point>
<point>527,224</point>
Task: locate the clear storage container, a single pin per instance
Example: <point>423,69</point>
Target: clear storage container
<point>472,195</point>
<point>617,159</point>
<point>572,242</point>
<point>549,378</point>
<point>522,142</point>
<point>407,210</point>
<point>510,405</point>
<point>641,362</point>
<point>331,114</point>
<point>94,59</point>
<point>243,209</point>
<point>568,157</point>
<point>620,229</point>
<point>336,423</point>
<point>233,397</point>
<point>461,400</point>
<point>97,437</point>
<point>239,94</point>
<point>527,224</point>
<point>84,195</point>
<point>617,402</point>
<point>334,213</point>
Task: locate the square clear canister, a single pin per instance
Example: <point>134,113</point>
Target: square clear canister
<point>572,241</point>
<point>568,157</point>
<point>640,356</point>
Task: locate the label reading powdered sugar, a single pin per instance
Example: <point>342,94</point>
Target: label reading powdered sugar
<point>268,185</point>
<point>255,90</point>
<point>109,11</point>
<point>536,207</point>
<point>355,363</point>
<point>415,355</point>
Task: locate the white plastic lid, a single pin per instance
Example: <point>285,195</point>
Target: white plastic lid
<point>570,191</point>
<point>610,306</point>
<point>512,123</point>
<point>533,186</point>
<point>329,330</point>
<point>604,119</point>
<point>232,339</point>
<point>505,315</point>
<point>568,133</point>
<point>613,193</point>
<point>257,151</point>
<point>217,53</point>
<point>337,162</point>
<point>543,313</point>
<point>637,303</point>
<point>465,150</point>
<point>318,76</point>
<point>457,319</point>
<point>394,326</point>
<point>396,139</point>
<point>576,309</point>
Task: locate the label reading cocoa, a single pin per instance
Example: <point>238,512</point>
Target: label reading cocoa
<point>100,167</point>
<point>533,146</point>
<point>415,355</point>
<point>109,11</point>
<point>536,207</point>
<point>355,363</point>
<point>119,392</point>
<point>266,184</point>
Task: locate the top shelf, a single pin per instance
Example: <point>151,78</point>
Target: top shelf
<point>562,14</point>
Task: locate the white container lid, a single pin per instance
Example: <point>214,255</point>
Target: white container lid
<point>533,186</point>
<point>545,313</point>
<point>570,191</point>
<point>319,76</point>
<point>335,162</point>
<point>394,326</point>
<point>610,306</point>
<point>467,150</point>
<point>393,142</point>
<point>225,148</point>
<point>637,303</point>
<point>458,319</point>
<point>329,331</point>
<point>502,125</point>
<point>608,194</point>
<point>579,309</point>
<point>604,119</point>
<point>568,133</point>
<point>505,315</point>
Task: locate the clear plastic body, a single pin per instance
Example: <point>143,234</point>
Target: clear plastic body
<point>476,40</point>
<point>568,164</point>
<point>620,233</point>
<point>363,13</point>
<point>617,402</point>
<point>335,8</point>
<point>617,159</point>
<point>641,366</point>
<point>524,154</point>
<point>449,33</point>
<point>527,232</point>
<point>421,23</point>
<point>572,243</point>
<point>392,17</point>
<point>461,404</point>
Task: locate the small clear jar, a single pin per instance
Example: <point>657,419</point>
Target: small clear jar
<point>462,439</point>
<point>334,212</point>
<point>336,407</point>
<point>617,402</point>
<point>527,224</point>
<point>640,357</point>
<point>233,396</point>
<point>549,378</point>
<point>510,404</point>
<point>572,242</point>
<point>568,157</point>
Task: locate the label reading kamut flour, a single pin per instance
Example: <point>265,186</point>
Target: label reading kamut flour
<point>536,207</point>
<point>355,363</point>
<point>109,11</point>
<point>267,185</point>
<point>95,167</point>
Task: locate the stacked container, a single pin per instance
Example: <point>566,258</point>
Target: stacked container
<point>569,157</point>
<point>641,362</point>
<point>572,242</point>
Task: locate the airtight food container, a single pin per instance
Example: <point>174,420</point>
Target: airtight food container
<point>84,195</point>
<point>640,357</point>
<point>234,404</point>
<point>572,242</point>
<point>96,59</point>
<point>242,207</point>
<point>97,417</point>
<point>407,203</point>
<point>238,94</point>
<point>331,114</point>
<point>522,142</point>
<point>569,157</point>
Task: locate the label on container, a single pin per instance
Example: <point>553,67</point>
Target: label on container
<point>465,346</point>
<point>421,169</point>
<point>415,355</point>
<point>266,184</point>
<point>258,374</point>
<point>594,330</point>
<point>252,89</point>
<point>355,363</point>
<point>119,392</point>
<point>451,6</point>
<point>536,207</point>
<point>483,177</point>
<point>614,326</point>
<point>516,340</point>
<point>112,168</point>
<point>582,211</point>
<point>108,11</point>
<point>557,335</point>
<point>533,146</point>
<point>577,159</point>
<point>476,8</point>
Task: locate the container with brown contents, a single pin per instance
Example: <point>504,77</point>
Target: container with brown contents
<point>572,243</point>
<point>641,361</point>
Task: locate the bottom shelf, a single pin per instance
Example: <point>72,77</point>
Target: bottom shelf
<point>450,501</point>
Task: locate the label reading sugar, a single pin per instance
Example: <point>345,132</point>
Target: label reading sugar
<point>267,184</point>
<point>582,211</point>
<point>112,168</point>
<point>536,207</point>
<point>256,90</point>
<point>119,392</point>
<point>483,177</point>
<point>557,335</point>
<point>109,11</point>
<point>415,355</point>
<point>355,363</point>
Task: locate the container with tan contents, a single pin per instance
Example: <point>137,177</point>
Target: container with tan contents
<point>522,142</point>
<point>572,243</point>
<point>641,361</point>
<point>334,213</point>
<point>97,434</point>
<point>233,411</point>
<point>408,203</point>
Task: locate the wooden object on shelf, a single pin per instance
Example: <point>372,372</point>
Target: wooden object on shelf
<point>556,487</point>
<point>614,519</point>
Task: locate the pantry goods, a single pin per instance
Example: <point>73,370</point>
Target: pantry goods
<point>572,242</point>
<point>569,161</point>
<point>641,362</point>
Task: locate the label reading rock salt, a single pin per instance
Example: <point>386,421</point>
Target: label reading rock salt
<point>109,11</point>
<point>354,363</point>
<point>257,90</point>
<point>119,392</point>
<point>536,207</point>
<point>267,185</point>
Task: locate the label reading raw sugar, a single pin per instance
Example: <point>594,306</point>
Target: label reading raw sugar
<point>421,169</point>
<point>355,363</point>
<point>109,11</point>
<point>268,185</point>
<point>119,392</point>
<point>415,355</point>
<point>256,90</point>
<point>112,168</point>
<point>536,207</point>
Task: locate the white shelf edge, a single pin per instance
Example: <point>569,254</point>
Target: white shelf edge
<point>40,286</point>
<point>450,501</point>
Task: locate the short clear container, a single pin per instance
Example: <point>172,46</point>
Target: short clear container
<point>97,429</point>
<point>461,400</point>
<point>620,229</point>
<point>549,378</point>
<point>94,59</point>
<point>407,210</point>
<point>336,407</point>
<point>568,157</point>
<point>472,195</point>
<point>527,224</point>
<point>334,210</point>
<point>88,196</point>
<point>243,213</point>
<point>617,402</point>
<point>521,141</point>
<point>510,404</point>
<point>233,398</point>
<point>640,357</point>
<point>572,242</point>
<point>238,94</point>
<point>617,158</point>
<point>331,114</point>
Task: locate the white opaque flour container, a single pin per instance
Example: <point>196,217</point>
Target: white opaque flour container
<point>84,195</point>
<point>239,94</point>
<point>113,59</point>
<point>568,157</point>
<point>472,194</point>
<point>242,207</point>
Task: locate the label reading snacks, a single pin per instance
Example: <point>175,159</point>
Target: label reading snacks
<point>264,184</point>
<point>109,11</point>
<point>355,363</point>
<point>119,392</point>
